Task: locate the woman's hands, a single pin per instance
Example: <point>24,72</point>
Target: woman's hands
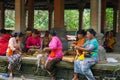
<point>77,47</point>
<point>18,52</point>
<point>34,47</point>
<point>47,48</point>
<point>72,45</point>
<point>80,48</point>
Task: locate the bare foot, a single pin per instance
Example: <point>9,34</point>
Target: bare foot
<point>75,78</point>
<point>53,78</point>
<point>11,75</point>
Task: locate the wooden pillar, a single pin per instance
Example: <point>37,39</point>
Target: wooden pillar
<point>95,15</point>
<point>30,14</point>
<point>80,19</point>
<point>19,15</point>
<point>58,14</point>
<point>59,22</point>
<point>103,15</point>
<point>2,15</point>
<point>50,11</point>
<point>119,16</point>
<point>81,9</point>
<point>115,19</point>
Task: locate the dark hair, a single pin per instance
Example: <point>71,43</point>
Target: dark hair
<point>46,33</point>
<point>15,34</point>
<point>52,32</point>
<point>3,31</point>
<point>35,31</point>
<point>92,31</point>
<point>8,31</point>
<point>83,32</point>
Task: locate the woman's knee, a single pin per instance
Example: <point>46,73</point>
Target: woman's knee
<point>85,69</point>
<point>39,56</point>
<point>47,65</point>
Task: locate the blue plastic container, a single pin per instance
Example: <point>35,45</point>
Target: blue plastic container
<point>5,75</point>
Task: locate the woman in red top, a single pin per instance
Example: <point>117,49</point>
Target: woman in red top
<point>33,41</point>
<point>4,44</point>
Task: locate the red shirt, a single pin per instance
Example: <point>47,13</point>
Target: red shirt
<point>4,44</point>
<point>31,41</point>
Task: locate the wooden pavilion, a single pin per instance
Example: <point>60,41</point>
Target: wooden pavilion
<point>97,22</point>
<point>97,7</point>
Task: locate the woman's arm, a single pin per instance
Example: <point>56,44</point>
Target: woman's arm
<point>38,45</point>
<point>11,44</point>
<point>52,45</point>
<point>47,48</point>
<point>90,48</point>
<point>28,43</point>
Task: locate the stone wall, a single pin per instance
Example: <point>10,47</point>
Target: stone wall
<point>99,37</point>
<point>117,44</point>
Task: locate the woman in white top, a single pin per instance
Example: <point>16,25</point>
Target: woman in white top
<point>13,52</point>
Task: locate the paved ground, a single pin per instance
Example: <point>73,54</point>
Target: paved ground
<point>26,77</point>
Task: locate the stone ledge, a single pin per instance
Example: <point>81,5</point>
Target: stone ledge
<point>98,66</point>
<point>29,67</point>
<point>67,65</point>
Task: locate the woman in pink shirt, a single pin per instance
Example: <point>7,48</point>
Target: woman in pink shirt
<point>33,41</point>
<point>55,55</point>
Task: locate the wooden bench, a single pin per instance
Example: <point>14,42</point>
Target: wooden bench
<point>29,67</point>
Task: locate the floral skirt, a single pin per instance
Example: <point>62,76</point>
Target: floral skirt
<point>15,61</point>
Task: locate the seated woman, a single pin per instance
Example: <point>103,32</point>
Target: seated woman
<point>2,32</point>
<point>4,44</point>
<point>14,52</point>
<point>80,42</point>
<point>109,41</point>
<point>34,41</point>
<point>45,40</point>
<point>90,50</point>
<point>23,42</point>
<point>55,55</point>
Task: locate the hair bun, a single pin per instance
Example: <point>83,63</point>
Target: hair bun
<point>52,32</point>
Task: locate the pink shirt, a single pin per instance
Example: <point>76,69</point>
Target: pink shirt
<point>31,41</point>
<point>56,44</point>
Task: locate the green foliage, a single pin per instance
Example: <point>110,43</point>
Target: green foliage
<point>109,19</point>
<point>9,19</point>
<point>86,19</point>
<point>41,20</point>
<point>71,19</point>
